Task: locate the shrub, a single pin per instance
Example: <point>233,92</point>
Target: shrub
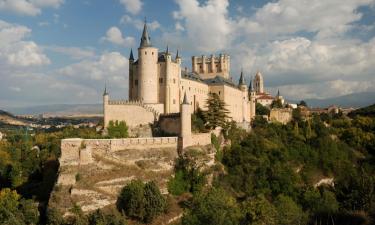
<point>117,129</point>
<point>141,201</point>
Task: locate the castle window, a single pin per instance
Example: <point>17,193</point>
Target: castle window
<point>219,92</point>
<point>182,87</point>
<point>136,82</point>
<point>189,88</point>
<point>160,80</point>
<point>145,53</point>
<point>174,80</point>
<point>152,53</point>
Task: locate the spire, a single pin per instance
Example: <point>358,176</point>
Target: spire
<point>177,56</point>
<point>185,101</point>
<point>105,89</point>
<point>251,87</point>
<point>167,51</point>
<point>131,57</point>
<point>278,92</point>
<point>145,39</point>
<point>242,79</point>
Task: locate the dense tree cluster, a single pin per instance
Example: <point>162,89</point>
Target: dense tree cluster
<point>273,172</point>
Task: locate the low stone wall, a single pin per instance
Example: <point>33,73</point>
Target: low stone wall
<point>77,151</point>
<point>201,139</point>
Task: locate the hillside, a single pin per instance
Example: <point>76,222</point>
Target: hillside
<point>58,109</point>
<point>9,119</point>
<point>355,100</point>
<point>366,111</point>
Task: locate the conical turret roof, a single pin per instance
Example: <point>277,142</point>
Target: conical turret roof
<point>185,101</point>
<point>242,79</point>
<point>145,39</point>
<point>131,57</point>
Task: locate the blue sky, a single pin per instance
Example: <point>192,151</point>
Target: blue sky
<point>63,51</point>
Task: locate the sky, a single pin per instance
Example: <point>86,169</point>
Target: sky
<point>64,51</point>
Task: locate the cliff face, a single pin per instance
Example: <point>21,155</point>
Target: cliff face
<point>96,183</point>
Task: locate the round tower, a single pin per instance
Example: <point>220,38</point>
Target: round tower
<point>131,75</point>
<point>185,133</point>
<point>105,106</point>
<point>252,100</point>
<point>147,70</point>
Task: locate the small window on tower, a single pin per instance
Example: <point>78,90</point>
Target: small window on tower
<point>136,82</point>
<point>174,80</point>
<point>145,53</point>
<point>152,53</point>
<point>161,80</point>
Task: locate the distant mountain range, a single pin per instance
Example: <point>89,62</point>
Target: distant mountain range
<point>58,109</point>
<point>355,100</point>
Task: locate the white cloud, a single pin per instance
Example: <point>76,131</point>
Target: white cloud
<point>109,65</point>
<point>137,23</point>
<point>132,6</point>
<point>73,52</point>
<point>114,36</point>
<point>15,51</point>
<point>207,25</point>
<point>28,7</point>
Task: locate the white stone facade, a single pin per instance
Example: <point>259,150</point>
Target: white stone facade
<point>157,82</point>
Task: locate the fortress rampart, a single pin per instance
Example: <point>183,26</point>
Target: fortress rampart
<point>77,151</point>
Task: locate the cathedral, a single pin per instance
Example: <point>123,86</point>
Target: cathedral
<point>158,84</point>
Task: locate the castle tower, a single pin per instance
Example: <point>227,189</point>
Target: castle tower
<point>258,80</point>
<point>178,58</point>
<point>245,106</point>
<point>147,69</point>
<point>131,75</point>
<point>168,78</point>
<point>241,83</point>
<point>252,100</point>
<point>105,105</point>
<point>185,133</point>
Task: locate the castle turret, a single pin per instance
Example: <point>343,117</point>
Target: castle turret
<point>178,58</point>
<point>131,75</point>
<point>185,133</point>
<point>252,100</point>
<point>105,104</point>
<point>241,83</point>
<point>168,81</point>
<point>259,83</point>
<point>147,69</point>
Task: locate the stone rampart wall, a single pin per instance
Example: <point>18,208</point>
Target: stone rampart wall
<point>201,139</point>
<point>77,151</point>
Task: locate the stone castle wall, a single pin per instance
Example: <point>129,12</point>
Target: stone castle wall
<point>133,113</point>
<point>170,123</point>
<point>77,151</point>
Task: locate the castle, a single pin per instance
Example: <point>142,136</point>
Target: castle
<point>158,84</point>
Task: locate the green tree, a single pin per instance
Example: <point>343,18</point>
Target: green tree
<point>259,211</point>
<point>100,218</point>
<point>155,203</point>
<point>216,114</point>
<point>302,103</point>
<point>261,110</point>
<point>212,207</point>
<point>141,201</point>
<point>289,213</point>
<point>276,103</point>
<point>117,129</point>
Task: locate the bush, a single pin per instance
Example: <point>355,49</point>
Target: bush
<point>117,129</point>
<point>141,201</point>
<point>99,218</point>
